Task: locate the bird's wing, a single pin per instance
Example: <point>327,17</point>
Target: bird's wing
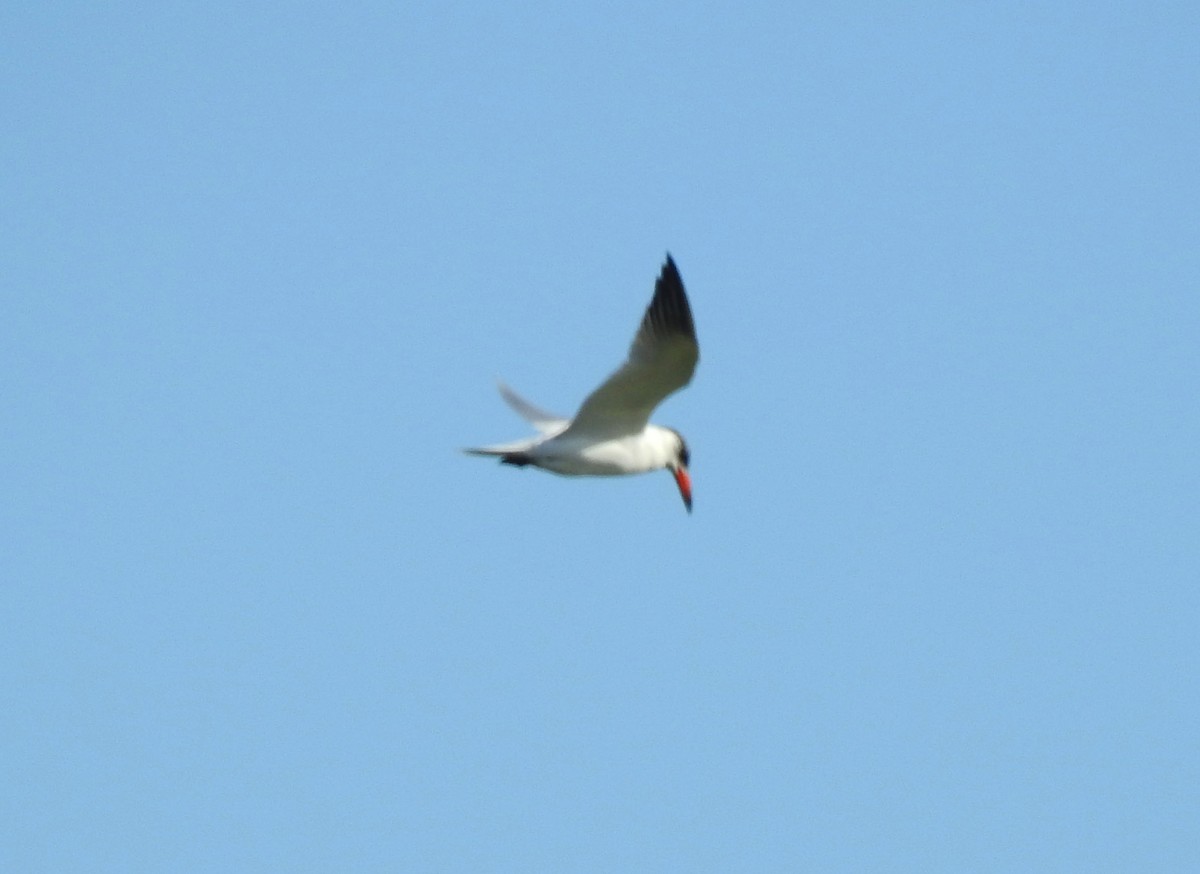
<point>546,423</point>
<point>661,360</point>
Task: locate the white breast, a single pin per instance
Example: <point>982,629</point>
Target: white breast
<point>651,449</point>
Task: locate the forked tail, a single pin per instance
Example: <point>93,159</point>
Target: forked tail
<point>514,454</point>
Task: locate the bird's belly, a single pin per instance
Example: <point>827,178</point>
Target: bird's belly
<point>608,458</point>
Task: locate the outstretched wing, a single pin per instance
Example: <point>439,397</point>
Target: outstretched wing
<point>546,423</point>
<point>661,361</point>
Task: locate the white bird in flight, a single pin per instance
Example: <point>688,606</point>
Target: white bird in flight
<point>611,435</point>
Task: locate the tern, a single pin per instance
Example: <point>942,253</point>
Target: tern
<point>611,435</point>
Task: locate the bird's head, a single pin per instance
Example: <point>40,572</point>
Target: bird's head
<point>678,466</point>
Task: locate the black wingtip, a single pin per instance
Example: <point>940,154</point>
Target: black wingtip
<point>669,266</point>
<point>669,311</point>
<point>669,275</point>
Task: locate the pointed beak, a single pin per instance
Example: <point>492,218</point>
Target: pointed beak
<point>684,481</point>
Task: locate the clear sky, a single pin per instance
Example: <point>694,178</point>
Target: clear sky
<point>937,607</point>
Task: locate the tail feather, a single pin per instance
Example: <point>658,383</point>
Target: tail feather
<point>518,456</point>
<point>515,453</point>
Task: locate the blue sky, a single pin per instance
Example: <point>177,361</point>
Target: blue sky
<point>936,609</point>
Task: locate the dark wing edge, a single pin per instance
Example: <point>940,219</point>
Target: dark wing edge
<point>669,312</point>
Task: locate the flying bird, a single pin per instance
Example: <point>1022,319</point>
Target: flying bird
<point>611,435</point>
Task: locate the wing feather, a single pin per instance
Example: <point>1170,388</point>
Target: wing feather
<point>546,423</point>
<point>661,361</point>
